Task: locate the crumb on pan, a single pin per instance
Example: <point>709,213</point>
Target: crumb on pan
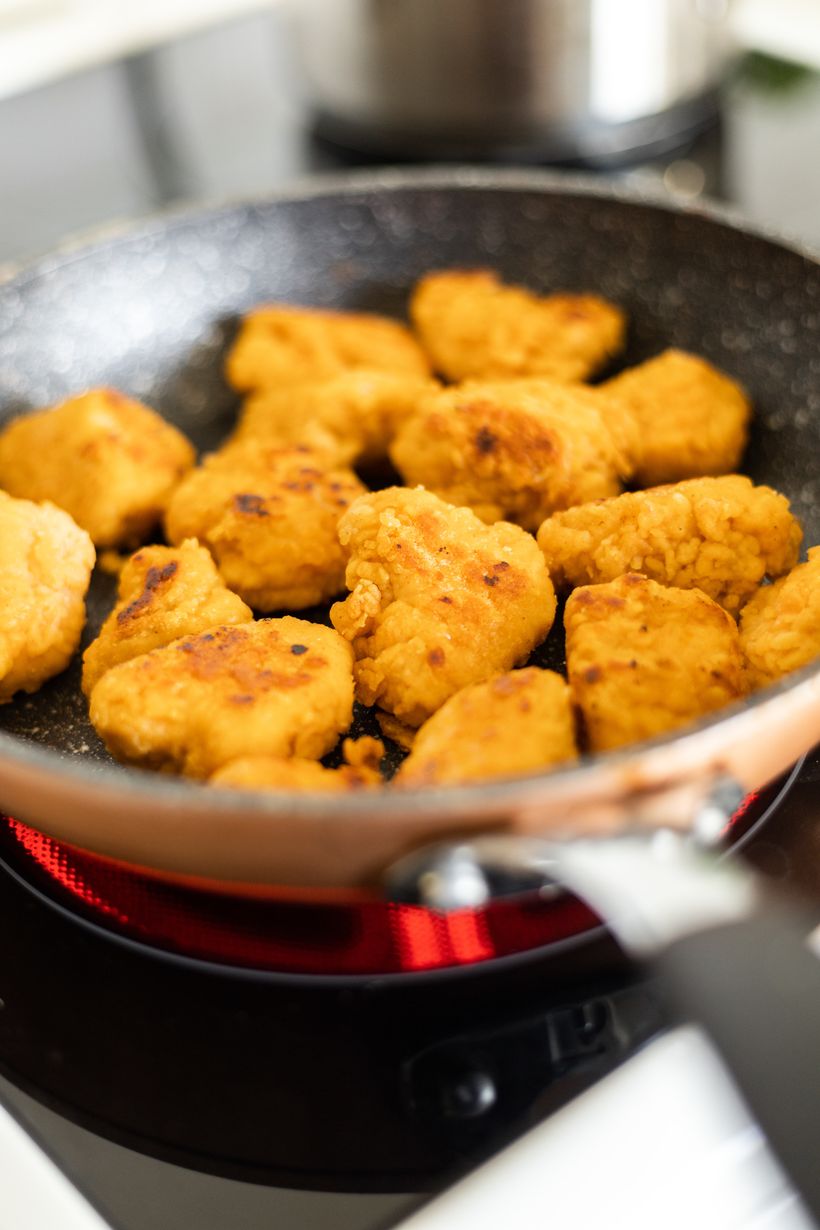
<point>400,733</point>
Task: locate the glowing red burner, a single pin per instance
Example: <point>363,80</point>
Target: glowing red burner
<point>275,930</point>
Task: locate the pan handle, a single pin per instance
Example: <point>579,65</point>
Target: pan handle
<point>727,956</point>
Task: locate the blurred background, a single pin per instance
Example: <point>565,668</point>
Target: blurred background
<point>109,111</point>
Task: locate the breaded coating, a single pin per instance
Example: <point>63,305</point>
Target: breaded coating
<point>164,593</point>
<point>693,418</point>
<point>107,460</point>
<point>515,450</point>
<point>472,325</point>
<point>277,687</point>
<point>644,658</point>
<point>439,600</point>
<point>275,773</point>
<point>780,627</point>
<point>349,418</point>
<point>45,567</point>
<point>278,345</point>
<point>722,535</point>
<point>268,515</point>
<point>515,723</point>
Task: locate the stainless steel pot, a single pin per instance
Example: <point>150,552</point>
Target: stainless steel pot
<point>582,79</point>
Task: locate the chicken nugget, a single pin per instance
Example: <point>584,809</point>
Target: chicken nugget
<point>439,600</point>
<point>268,515</point>
<point>515,450</point>
<point>278,345</point>
<point>693,419</point>
<point>349,418</point>
<point>277,687</point>
<point>274,773</point>
<point>472,325</point>
<point>164,593</point>
<point>644,658</point>
<point>45,567</point>
<point>780,627</point>
<point>722,535</point>
<point>514,723</point>
<point>109,461</point>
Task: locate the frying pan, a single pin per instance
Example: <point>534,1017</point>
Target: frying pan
<point>152,309</point>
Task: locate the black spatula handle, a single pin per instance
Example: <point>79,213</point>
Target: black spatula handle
<point>754,986</point>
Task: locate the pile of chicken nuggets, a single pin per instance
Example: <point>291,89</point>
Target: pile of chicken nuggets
<point>521,485</point>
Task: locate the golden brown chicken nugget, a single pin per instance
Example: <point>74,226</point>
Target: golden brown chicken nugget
<point>349,418</point>
<point>644,658</point>
<point>438,599</point>
<point>279,345</point>
<point>276,773</point>
<point>164,593</point>
<point>722,535</point>
<point>515,450</point>
<point>693,418</point>
<point>780,627</point>
<point>109,461</point>
<point>515,723</point>
<point>277,687</point>
<point>472,325</point>
<point>45,567</point>
<point>269,517</point>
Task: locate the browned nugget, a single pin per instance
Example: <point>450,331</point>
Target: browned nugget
<point>45,567</point>
<point>644,658</point>
<point>277,687</point>
<point>472,325</point>
<point>349,418</point>
<point>515,723</point>
<point>275,773</point>
<point>268,515</point>
<point>164,593</point>
<point>693,418</point>
<point>439,600</point>
<point>279,345</point>
<point>722,535</point>
<point>515,450</point>
<point>109,461</point>
<point>780,627</point>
